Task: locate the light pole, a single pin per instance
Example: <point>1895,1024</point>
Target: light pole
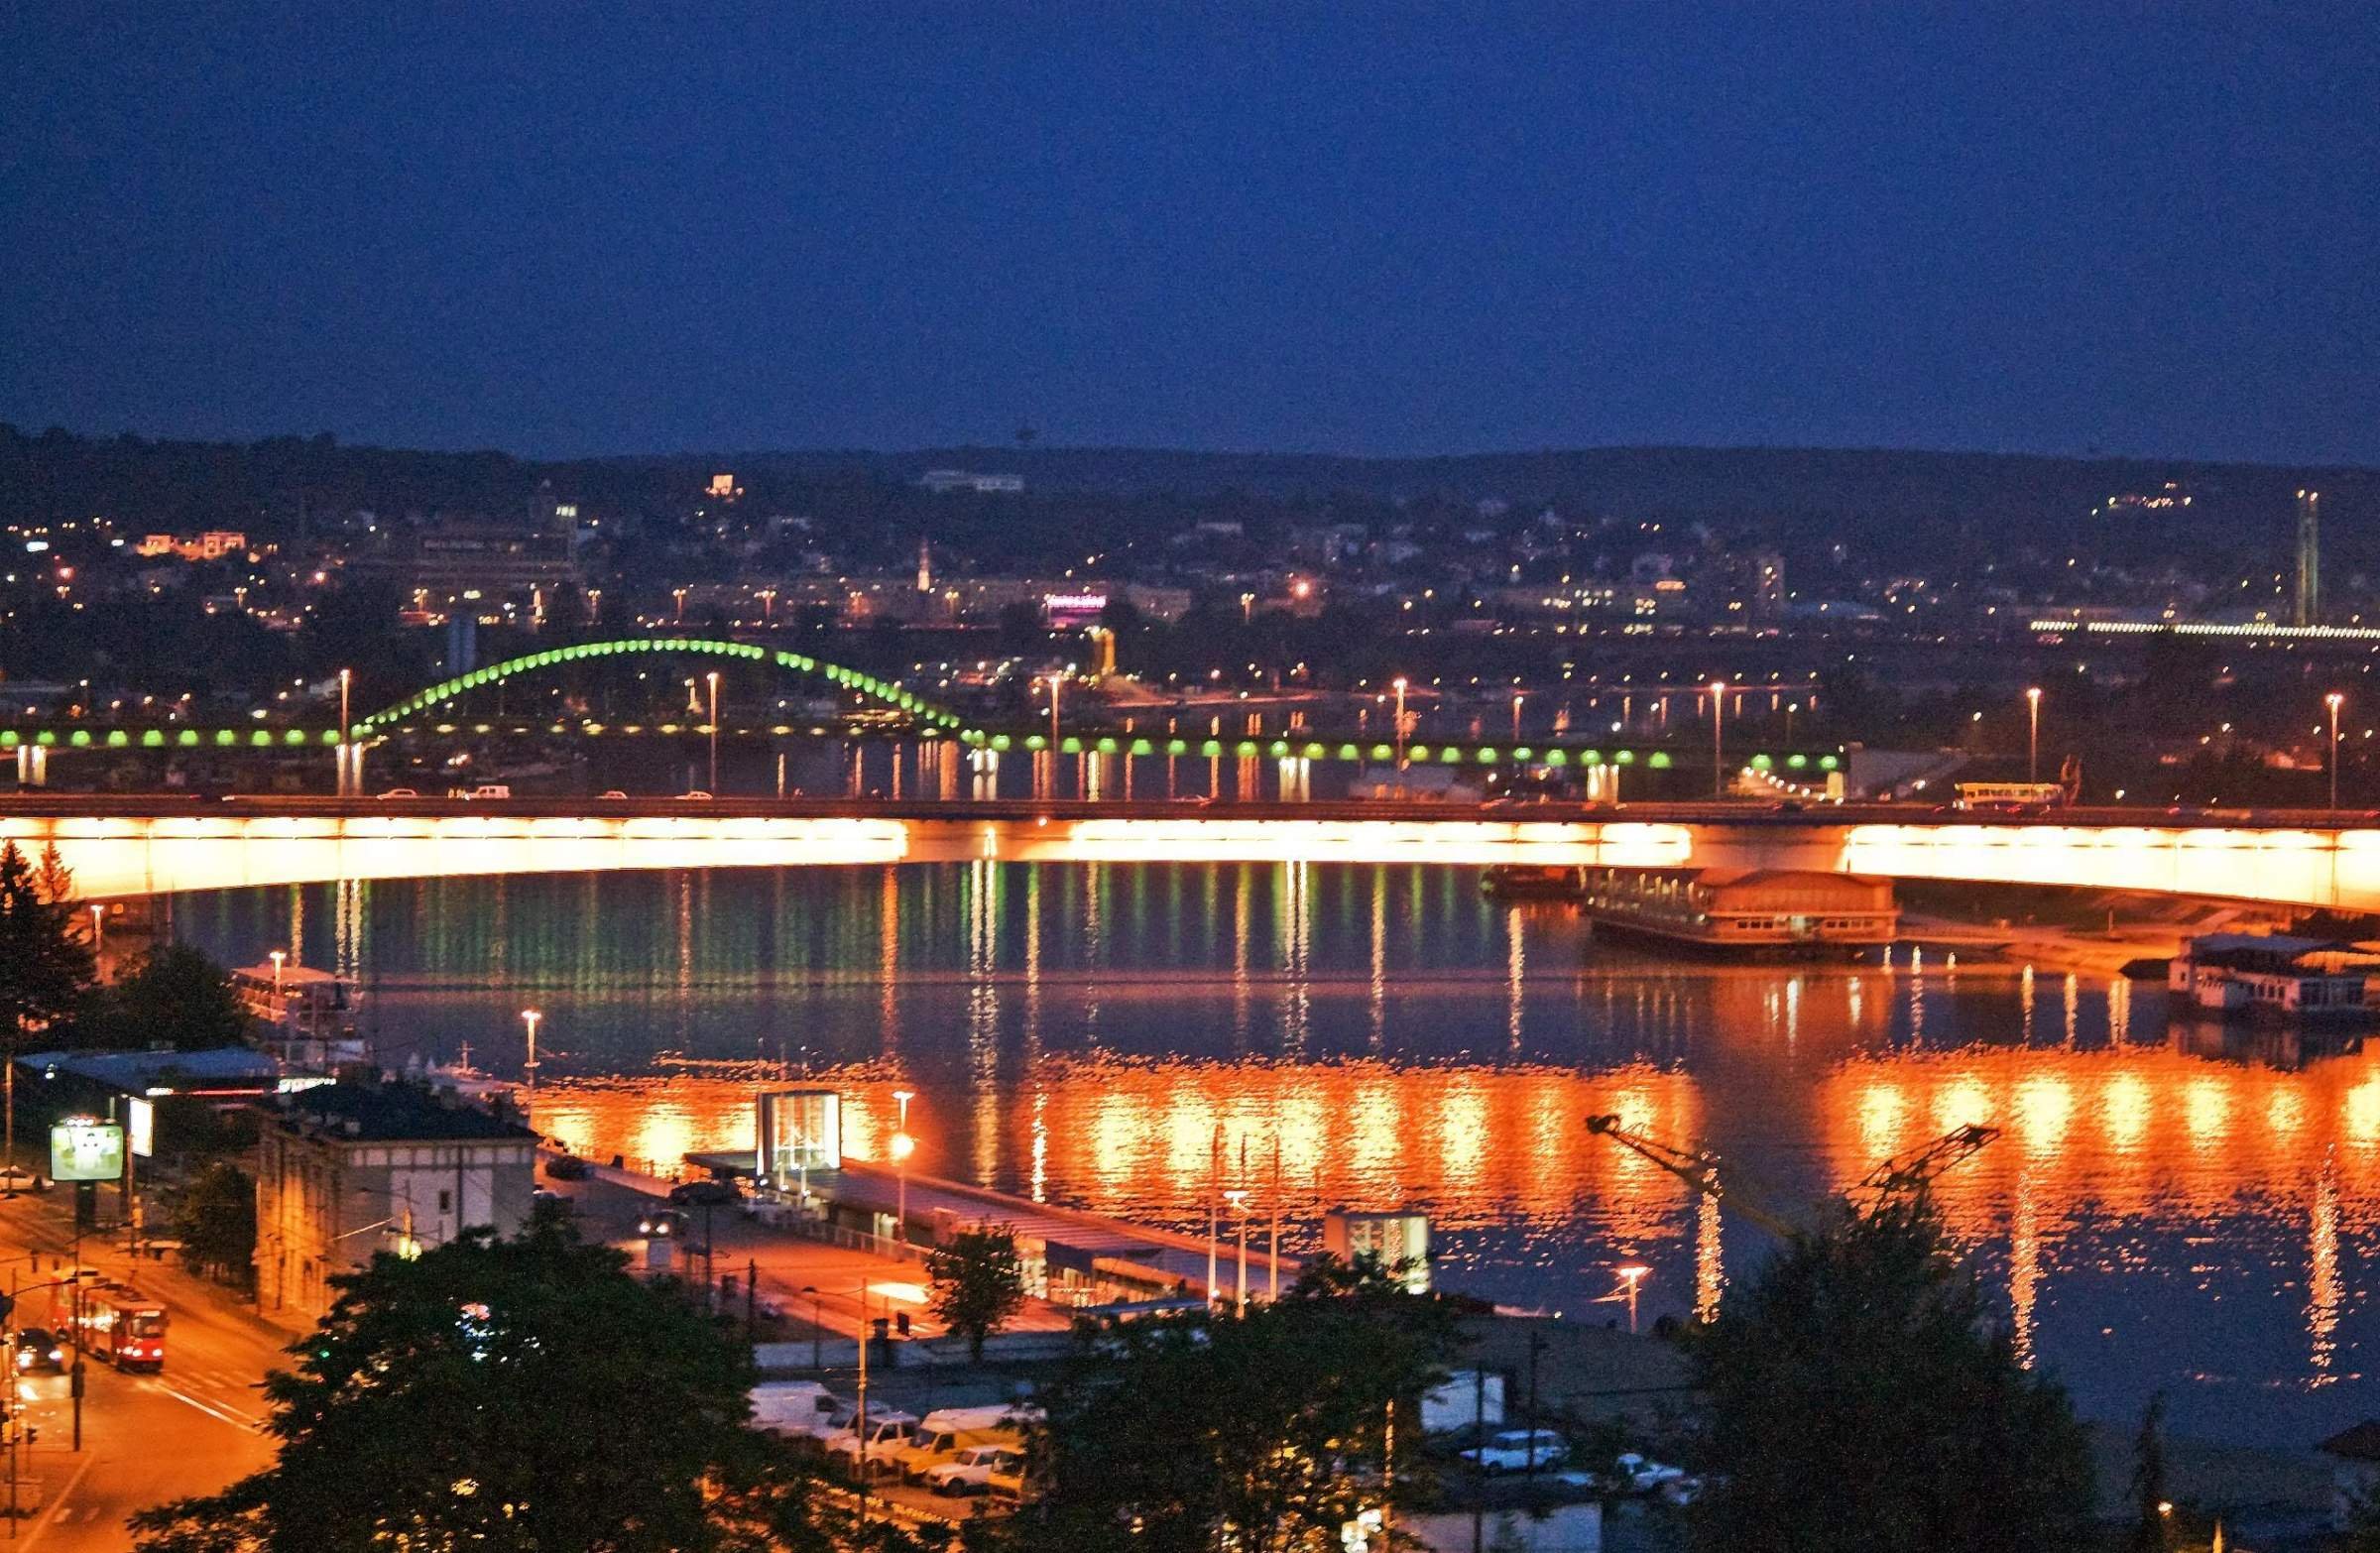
<point>1398,685</point>
<point>1238,1196</point>
<point>98,927</point>
<point>1517,696</point>
<point>2334,701</point>
<point>530,1018</point>
<point>277,956</point>
<point>713,678</point>
<point>904,1146</point>
<point>2033,734</point>
<point>817,1327</point>
<point>1719,756</point>
<point>347,782</point>
<point>1631,1276</point>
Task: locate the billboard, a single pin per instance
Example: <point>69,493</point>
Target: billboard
<point>140,1118</point>
<point>83,1148</point>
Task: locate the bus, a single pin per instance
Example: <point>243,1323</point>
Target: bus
<point>2006,795</point>
<point>112,1322</point>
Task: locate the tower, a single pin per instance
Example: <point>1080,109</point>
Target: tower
<point>2310,557</point>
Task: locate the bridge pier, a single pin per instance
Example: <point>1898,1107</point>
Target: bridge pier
<point>1297,778</point>
<point>983,765</point>
<point>33,765</point>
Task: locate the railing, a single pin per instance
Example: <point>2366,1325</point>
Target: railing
<point>855,1240</point>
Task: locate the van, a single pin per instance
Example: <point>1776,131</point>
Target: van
<point>933,1446</point>
<point>1015,1417</point>
<point>886,1432</point>
<point>799,1407</point>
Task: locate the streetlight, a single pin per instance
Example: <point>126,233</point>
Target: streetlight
<point>277,956</point>
<point>713,678</point>
<point>530,1018</point>
<point>2334,701</point>
<point>1630,1277</point>
<point>2033,734</point>
<point>1517,697</point>
<point>1718,757</point>
<point>348,782</point>
<point>1237,1197</point>
<point>1398,684</point>
<point>904,1146</point>
<point>1055,681</point>
<point>818,1327</point>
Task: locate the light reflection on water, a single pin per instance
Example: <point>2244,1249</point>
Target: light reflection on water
<point>2181,1210</point>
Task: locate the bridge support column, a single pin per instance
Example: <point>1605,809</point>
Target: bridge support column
<point>985,767</point>
<point>33,765</point>
<point>1297,777</point>
<point>351,769</point>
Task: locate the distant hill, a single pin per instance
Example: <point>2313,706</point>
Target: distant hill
<point>1905,506</point>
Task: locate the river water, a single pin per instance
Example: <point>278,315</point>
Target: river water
<point>2167,1208</point>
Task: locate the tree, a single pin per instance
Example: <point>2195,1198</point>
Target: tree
<point>1267,1432</point>
<point>509,1394</point>
<point>977,1283</point>
<point>2152,1521</point>
<point>173,996</point>
<point>1854,1400</point>
<point>53,881</point>
<point>215,1218</point>
<point>45,966</point>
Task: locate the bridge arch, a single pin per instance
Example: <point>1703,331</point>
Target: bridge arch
<point>927,713</point>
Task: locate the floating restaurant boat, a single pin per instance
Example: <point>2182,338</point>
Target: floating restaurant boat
<point>1743,909</point>
<point>305,1015</point>
<point>2274,976</point>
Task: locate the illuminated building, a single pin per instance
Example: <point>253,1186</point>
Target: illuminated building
<point>347,1170</point>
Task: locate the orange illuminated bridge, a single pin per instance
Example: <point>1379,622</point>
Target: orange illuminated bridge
<point>124,846</point>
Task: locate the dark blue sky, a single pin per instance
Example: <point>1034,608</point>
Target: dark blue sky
<point>2051,227</point>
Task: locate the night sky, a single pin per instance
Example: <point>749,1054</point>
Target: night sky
<point>2145,229</point>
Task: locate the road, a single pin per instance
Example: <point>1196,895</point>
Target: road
<point>147,1438</point>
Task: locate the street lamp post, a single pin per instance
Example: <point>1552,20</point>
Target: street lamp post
<point>904,1146</point>
<point>530,1018</point>
<point>713,678</point>
<point>2334,701</point>
<point>277,957</point>
<point>1631,1276</point>
<point>1238,1200</point>
<point>1719,747</point>
<point>347,782</point>
<point>1055,681</point>
<point>2033,734</point>
<point>1516,698</point>
<point>1398,684</point>
<point>817,1327</point>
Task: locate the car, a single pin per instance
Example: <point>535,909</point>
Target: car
<point>970,1472</point>
<point>887,1432</point>
<point>1008,1479</point>
<point>16,1178</point>
<point>611,793</point>
<point>567,1167</point>
<point>665,1225</point>
<point>37,1348</point>
<point>1518,1450</point>
<point>705,1194</point>
<point>401,793</point>
<point>547,1197</point>
<point>697,796</point>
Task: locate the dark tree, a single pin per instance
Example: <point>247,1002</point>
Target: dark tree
<point>1265,1433</point>
<point>215,1218</point>
<point>53,881</point>
<point>45,964</point>
<point>2152,1520</point>
<point>977,1283</point>
<point>173,996</point>
<point>1857,1400</point>
<point>515,1395</point>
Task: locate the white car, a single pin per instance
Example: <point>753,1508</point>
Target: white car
<point>886,1433</point>
<point>1518,1450</point>
<point>1645,1476</point>
<point>16,1178</point>
<point>973,1468</point>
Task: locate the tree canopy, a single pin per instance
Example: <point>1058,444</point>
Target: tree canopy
<point>1856,1399</point>
<point>215,1217</point>
<point>1267,1432</point>
<point>172,995</point>
<point>977,1283</point>
<point>45,965</point>
<point>509,1394</point>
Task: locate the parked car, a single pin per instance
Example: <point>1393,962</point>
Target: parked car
<point>933,1445</point>
<point>1518,1450</point>
<point>37,1348</point>
<point>567,1167</point>
<point>16,1178</point>
<point>887,1433</point>
<point>401,793</point>
<point>970,1472</point>
<point>611,793</point>
<point>801,1409</point>
<point>667,1223</point>
<point>705,1194</point>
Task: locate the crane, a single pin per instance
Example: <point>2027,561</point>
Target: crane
<point>1699,1168</point>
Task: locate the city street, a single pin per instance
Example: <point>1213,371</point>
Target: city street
<point>147,1438</point>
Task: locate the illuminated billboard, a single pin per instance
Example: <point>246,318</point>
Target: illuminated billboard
<point>83,1148</point>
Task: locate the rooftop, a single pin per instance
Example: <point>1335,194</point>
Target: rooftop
<point>390,1113</point>
<point>243,1068</point>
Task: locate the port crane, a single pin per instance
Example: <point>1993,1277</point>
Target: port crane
<point>1699,1167</point>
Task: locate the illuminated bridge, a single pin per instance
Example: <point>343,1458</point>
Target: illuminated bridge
<point>134,845</point>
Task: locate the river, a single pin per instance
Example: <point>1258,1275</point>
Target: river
<point>2167,1208</point>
